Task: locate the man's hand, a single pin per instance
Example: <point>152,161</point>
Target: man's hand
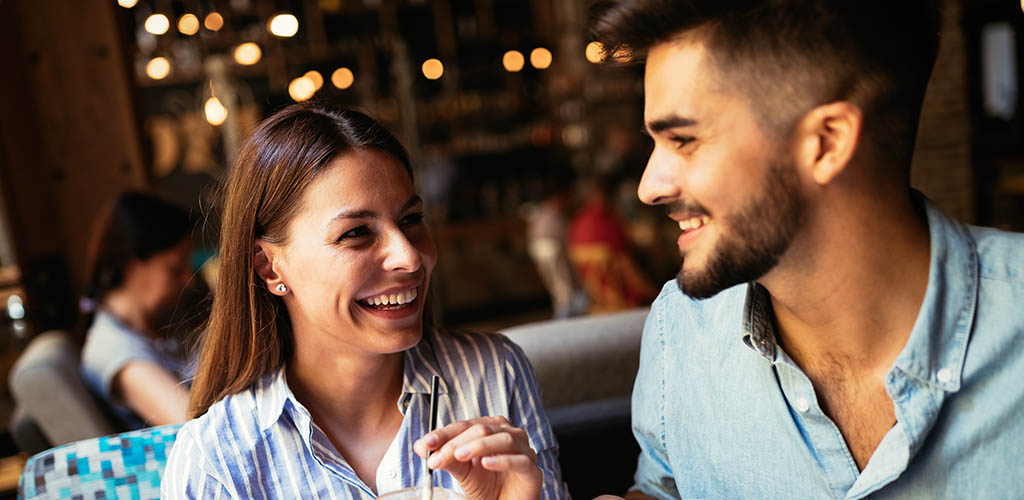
<point>491,459</point>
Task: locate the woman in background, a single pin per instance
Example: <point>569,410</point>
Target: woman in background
<point>315,370</point>
<point>139,263</point>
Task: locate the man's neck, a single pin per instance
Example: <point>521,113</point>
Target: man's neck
<point>850,294</point>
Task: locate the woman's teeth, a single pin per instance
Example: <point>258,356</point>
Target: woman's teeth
<point>694,223</point>
<point>392,301</point>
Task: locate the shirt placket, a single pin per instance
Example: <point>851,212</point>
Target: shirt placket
<point>825,442</point>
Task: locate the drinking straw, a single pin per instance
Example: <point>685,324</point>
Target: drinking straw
<point>428,479</point>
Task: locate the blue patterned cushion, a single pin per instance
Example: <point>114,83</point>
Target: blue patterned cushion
<point>127,465</point>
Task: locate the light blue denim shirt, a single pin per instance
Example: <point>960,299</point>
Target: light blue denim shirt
<point>720,410</point>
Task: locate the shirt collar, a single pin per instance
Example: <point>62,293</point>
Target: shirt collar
<point>937,344</point>
<point>273,394</point>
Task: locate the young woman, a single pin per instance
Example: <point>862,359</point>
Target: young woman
<point>315,370</point>
<point>140,261</point>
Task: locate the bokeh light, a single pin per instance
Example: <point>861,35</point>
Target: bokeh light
<point>248,54</point>
<point>216,113</point>
<point>157,24</point>
<point>283,25</point>
<point>214,21</point>
<point>513,61</point>
<point>127,3</point>
<point>316,78</point>
<point>432,69</point>
<point>540,58</point>
<point>188,24</point>
<point>595,52</point>
<point>343,78</point>
<point>301,88</point>
<point>158,68</point>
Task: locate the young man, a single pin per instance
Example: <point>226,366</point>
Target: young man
<point>831,334</point>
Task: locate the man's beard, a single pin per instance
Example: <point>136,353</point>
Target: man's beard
<point>753,239</point>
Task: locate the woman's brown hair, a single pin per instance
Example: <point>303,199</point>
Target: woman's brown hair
<point>249,332</point>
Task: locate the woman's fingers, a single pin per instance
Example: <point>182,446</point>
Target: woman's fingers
<point>509,463</point>
<point>476,427</point>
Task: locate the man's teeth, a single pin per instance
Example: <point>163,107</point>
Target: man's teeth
<point>395,299</point>
<point>693,222</point>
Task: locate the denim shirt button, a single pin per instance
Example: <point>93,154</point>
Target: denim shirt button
<point>802,405</point>
<point>944,375</point>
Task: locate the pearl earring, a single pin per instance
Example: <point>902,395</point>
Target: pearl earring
<point>281,288</point>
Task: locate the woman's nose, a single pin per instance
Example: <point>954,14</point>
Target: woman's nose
<point>400,254</point>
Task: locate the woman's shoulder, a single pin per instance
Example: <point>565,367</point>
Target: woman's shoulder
<point>232,420</point>
<point>492,344</point>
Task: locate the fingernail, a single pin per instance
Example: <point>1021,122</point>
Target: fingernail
<point>430,440</point>
<point>489,461</point>
<point>461,452</point>
<point>434,461</point>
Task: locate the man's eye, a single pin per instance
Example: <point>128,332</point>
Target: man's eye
<point>355,233</point>
<point>412,219</point>
<point>681,141</point>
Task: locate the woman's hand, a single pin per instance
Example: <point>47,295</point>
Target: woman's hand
<point>491,459</point>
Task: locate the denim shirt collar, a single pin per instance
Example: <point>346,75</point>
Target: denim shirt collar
<point>274,397</point>
<point>935,350</point>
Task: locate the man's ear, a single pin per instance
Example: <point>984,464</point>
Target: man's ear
<point>827,138</point>
<point>263,264</point>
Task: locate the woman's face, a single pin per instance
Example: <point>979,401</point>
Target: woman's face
<point>156,283</point>
<point>357,259</point>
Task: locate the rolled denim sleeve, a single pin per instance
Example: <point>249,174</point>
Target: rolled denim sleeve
<point>654,475</point>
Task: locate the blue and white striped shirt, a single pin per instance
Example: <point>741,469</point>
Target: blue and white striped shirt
<point>261,443</point>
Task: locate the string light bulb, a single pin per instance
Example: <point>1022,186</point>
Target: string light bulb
<point>158,68</point>
<point>215,112</point>
<point>432,69</point>
<point>248,54</point>
<point>540,58</point>
<point>513,61</point>
<point>283,25</point>
<point>157,24</point>
<point>342,78</point>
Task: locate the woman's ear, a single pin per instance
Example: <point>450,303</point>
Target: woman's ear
<point>827,139</point>
<point>263,264</point>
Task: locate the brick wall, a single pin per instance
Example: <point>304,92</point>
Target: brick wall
<point>942,162</point>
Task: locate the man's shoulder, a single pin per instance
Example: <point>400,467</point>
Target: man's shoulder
<point>698,327</point>
<point>1000,254</point>
<point>672,303</point>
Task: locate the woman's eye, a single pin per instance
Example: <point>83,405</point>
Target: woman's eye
<point>355,233</point>
<point>412,219</point>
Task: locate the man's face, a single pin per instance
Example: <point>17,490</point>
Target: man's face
<point>733,190</point>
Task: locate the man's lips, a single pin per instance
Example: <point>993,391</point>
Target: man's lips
<point>692,222</point>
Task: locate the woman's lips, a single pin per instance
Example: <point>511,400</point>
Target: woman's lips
<point>395,304</point>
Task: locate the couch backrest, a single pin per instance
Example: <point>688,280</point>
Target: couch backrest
<point>583,360</point>
<point>47,385</point>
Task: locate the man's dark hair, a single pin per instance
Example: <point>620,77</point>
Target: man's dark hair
<point>789,56</point>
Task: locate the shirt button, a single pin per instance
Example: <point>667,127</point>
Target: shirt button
<point>802,405</point>
<point>393,473</point>
<point>945,375</point>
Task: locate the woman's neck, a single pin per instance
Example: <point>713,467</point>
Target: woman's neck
<point>125,308</point>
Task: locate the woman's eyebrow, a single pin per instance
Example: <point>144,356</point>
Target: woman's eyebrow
<point>370,214</point>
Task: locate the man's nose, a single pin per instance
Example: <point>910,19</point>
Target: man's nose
<point>659,184</point>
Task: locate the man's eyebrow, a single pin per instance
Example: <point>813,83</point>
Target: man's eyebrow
<point>663,124</point>
<point>369,214</point>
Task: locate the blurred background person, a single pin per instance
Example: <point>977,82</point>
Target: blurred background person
<point>600,251</point>
<point>139,265</point>
<point>546,226</point>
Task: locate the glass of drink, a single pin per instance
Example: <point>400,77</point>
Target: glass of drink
<point>416,493</point>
